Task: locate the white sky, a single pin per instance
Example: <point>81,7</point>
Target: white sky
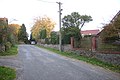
<point>102,11</point>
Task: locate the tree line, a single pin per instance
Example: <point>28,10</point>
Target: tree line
<point>71,26</point>
<point>11,34</point>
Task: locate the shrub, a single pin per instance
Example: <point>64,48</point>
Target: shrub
<point>8,45</point>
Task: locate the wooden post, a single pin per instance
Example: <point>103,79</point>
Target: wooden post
<point>72,42</point>
<point>93,43</point>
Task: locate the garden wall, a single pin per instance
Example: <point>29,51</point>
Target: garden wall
<point>106,57</point>
<point>2,48</point>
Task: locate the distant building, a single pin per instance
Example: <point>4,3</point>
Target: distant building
<point>5,20</point>
<point>90,32</point>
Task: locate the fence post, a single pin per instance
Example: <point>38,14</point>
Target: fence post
<point>93,43</point>
<point>72,42</point>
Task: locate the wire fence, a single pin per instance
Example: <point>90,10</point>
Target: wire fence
<point>107,46</point>
<point>95,43</point>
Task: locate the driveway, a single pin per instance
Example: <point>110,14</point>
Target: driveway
<point>33,63</point>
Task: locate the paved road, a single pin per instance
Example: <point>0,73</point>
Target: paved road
<point>33,63</point>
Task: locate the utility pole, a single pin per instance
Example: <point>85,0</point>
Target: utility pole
<point>60,36</point>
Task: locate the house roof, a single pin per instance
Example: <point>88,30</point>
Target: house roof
<point>4,19</point>
<point>118,14</point>
<point>90,32</point>
<point>113,19</point>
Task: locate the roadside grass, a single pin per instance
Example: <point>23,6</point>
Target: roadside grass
<point>12,51</point>
<point>94,61</point>
<point>7,73</point>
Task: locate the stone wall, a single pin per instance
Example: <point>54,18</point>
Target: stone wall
<point>110,58</point>
<point>2,48</point>
<point>106,57</point>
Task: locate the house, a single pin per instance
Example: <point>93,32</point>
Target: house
<point>112,22</point>
<point>115,17</point>
<point>90,32</point>
<point>3,35</point>
<point>5,20</point>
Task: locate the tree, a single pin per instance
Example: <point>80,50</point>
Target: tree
<point>5,37</point>
<point>111,32</point>
<point>72,25</point>
<point>75,20</point>
<point>85,19</point>
<point>3,31</point>
<point>43,34</point>
<point>40,24</point>
<point>13,29</point>
<point>22,34</point>
<point>116,24</point>
<point>31,37</point>
<point>54,39</point>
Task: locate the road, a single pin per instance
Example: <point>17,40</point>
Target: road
<point>33,63</point>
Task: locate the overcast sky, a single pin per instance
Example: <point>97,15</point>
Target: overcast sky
<point>102,11</point>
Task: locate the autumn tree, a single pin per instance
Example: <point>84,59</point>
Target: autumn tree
<point>43,34</point>
<point>111,32</point>
<point>41,24</point>
<point>13,29</point>
<point>116,25</point>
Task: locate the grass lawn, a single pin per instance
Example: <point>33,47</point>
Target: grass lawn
<point>11,51</point>
<point>7,73</point>
<point>93,61</point>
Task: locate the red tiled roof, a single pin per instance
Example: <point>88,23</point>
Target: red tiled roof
<point>90,32</point>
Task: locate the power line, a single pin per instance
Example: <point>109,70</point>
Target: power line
<point>46,1</point>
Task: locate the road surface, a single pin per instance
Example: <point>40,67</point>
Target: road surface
<point>33,63</point>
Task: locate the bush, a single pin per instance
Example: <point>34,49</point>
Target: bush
<point>11,39</point>
<point>2,48</point>
<point>47,41</point>
<point>54,39</point>
<point>8,45</point>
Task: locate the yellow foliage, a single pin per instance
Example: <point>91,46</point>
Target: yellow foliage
<point>40,24</point>
<point>14,28</point>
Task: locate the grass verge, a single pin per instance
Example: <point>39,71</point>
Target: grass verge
<point>12,51</point>
<point>94,61</point>
<point>7,73</point>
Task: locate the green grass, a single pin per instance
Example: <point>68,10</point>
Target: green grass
<point>11,51</point>
<point>93,61</point>
<point>7,73</point>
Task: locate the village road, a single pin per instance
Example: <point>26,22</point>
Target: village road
<point>33,63</point>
